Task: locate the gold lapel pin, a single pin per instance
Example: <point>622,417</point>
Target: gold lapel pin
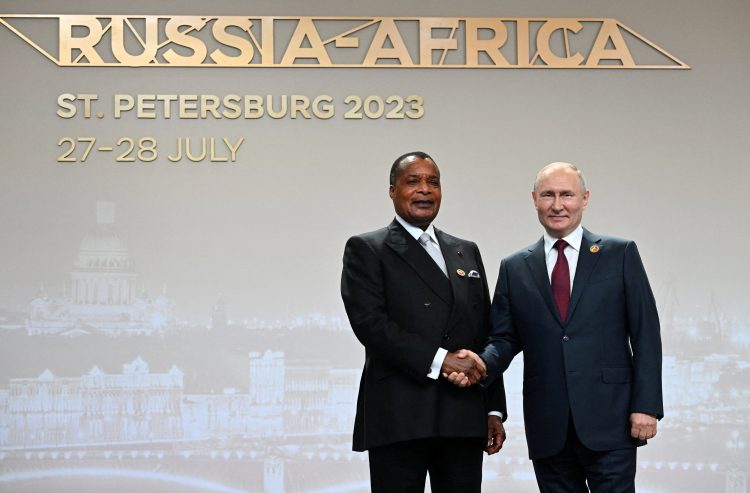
<point>460,272</point>
<point>594,248</point>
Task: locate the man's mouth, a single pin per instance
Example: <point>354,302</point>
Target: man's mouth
<point>422,203</point>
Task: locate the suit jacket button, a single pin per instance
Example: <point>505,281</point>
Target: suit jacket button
<point>566,338</point>
<point>446,337</point>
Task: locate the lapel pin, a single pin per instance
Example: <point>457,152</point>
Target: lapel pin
<point>594,248</point>
<point>460,272</point>
<point>460,253</point>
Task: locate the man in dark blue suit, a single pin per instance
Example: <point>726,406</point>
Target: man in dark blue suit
<point>580,307</point>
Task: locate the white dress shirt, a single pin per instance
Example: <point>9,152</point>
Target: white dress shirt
<point>571,252</point>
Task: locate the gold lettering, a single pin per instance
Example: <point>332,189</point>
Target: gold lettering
<point>66,108</point>
<point>123,102</point>
<point>522,41</point>
<point>254,107</point>
<point>182,38</point>
<point>317,50</point>
<point>491,46</point>
<point>146,105</point>
<point>241,41</point>
<point>150,44</point>
<point>387,31</point>
<point>188,106</point>
<point>428,44</point>
<point>323,111</point>
<point>199,157</point>
<point>167,100</point>
<point>87,98</point>
<point>214,158</point>
<point>209,104</point>
<point>266,47</point>
<point>179,151</point>
<point>610,31</point>
<point>543,38</point>
<point>234,148</point>
<point>69,110</point>
<point>281,112</point>
<point>247,52</point>
<point>86,44</point>
<point>299,104</point>
<point>232,108</point>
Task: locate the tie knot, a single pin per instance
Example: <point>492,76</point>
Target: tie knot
<point>560,245</point>
<point>424,239</point>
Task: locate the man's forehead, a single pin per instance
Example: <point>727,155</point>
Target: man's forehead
<point>413,168</point>
<point>558,178</point>
<point>432,172</point>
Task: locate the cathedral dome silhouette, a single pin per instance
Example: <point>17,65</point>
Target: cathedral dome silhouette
<point>103,248</point>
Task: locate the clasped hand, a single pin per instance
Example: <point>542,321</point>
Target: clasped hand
<point>463,368</point>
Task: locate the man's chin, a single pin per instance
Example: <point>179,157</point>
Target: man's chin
<point>558,226</point>
<point>422,219</point>
<point>555,231</point>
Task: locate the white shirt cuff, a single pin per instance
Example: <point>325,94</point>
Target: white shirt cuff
<point>437,363</point>
<point>496,413</point>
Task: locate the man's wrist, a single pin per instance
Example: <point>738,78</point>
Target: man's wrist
<point>437,363</point>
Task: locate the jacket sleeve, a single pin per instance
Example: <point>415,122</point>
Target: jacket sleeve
<point>494,392</point>
<point>494,397</point>
<point>503,343</point>
<point>365,300</point>
<point>645,338</point>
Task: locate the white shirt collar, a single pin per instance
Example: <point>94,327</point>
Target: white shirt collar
<point>416,231</point>
<point>574,240</point>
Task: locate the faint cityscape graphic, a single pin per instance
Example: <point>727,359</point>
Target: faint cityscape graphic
<point>101,381</point>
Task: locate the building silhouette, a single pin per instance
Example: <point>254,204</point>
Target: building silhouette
<point>103,294</point>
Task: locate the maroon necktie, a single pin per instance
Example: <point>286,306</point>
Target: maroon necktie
<point>561,280</point>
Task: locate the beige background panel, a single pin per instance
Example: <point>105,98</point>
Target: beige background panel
<point>233,365</point>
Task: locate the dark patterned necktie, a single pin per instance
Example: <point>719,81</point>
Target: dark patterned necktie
<point>561,280</point>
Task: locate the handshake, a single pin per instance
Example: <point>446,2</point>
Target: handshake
<point>463,368</point>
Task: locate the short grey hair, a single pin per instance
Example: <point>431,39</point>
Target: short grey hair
<point>581,178</point>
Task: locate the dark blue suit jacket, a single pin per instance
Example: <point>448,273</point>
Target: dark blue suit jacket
<point>601,365</point>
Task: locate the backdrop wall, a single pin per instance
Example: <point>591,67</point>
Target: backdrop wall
<point>177,326</point>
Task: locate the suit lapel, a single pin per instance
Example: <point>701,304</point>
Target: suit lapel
<point>420,261</point>
<point>537,264</point>
<point>587,260</point>
<point>453,262</point>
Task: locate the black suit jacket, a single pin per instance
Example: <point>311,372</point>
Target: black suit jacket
<point>402,308</point>
<point>601,365</point>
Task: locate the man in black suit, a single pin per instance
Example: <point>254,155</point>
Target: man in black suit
<point>580,307</point>
<point>417,299</point>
